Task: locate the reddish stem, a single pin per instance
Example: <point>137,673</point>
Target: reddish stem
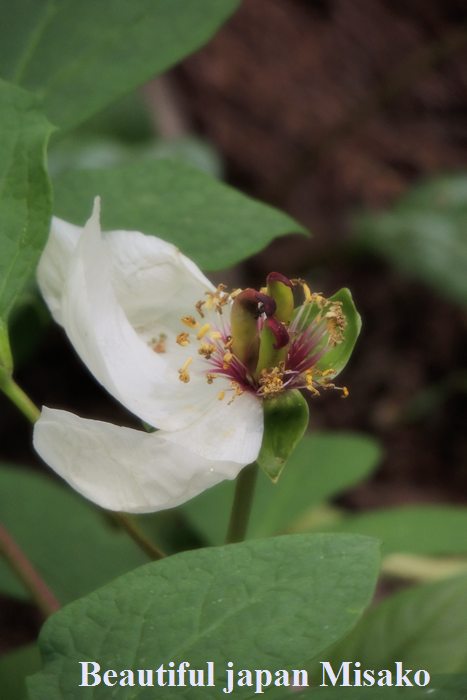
<point>25,571</point>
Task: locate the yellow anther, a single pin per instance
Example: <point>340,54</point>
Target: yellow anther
<point>221,395</point>
<point>217,299</point>
<point>199,307</point>
<point>238,391</point>
<point>336,323</point>
<point>210,377</point>
<point>271,380</point>
<point>206,349</point>
<point>227,359</point>
<point>183,373</point>
<point>183,338</point>
<point>345,392</point>
<point>228,342</point>
<point>215,335</point>
<point>190,321</point>
<point>203,330</point>
<point>235,293</point>
<point>327,373</point>
<point>309,383</point>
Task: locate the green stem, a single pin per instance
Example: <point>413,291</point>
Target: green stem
<point>27,574</point>
<point>243,500</point>
<point>135,532</point>
<point>21,400</point>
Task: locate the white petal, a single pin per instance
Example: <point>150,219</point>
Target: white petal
<point>226,431</point>
<point>143,381</point>
<point>54,264</point>
<point>151,278</point>
<point>123,469</point>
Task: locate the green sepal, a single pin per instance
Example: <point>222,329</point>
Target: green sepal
<point>336,358</point>
<point>285,421</point>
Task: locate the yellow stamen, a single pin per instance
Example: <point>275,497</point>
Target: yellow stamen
<point>184,375</point>
<point>190,321</point>
<point>228,357</point>
<point>206,350</point>
<point>345,392</point>
<point>336,323</point>
<point>203,330</point>
<point>271,380</point>
<point>210,377</point>
<point>235,293</point>
<point>199,307</point>
<point>309,383</point>
<point>216,300</point>
<point>326,373</point>
<point>215,335</point>
<point>221,395</point>
<point>183,339</point>
<point>238,391</point>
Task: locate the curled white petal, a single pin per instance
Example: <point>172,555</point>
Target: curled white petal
<point>95,321</point>
<point>124,469</point>
<point>54,264</point>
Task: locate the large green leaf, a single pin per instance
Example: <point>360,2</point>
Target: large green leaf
<point>210,222</point>
<point>424,627</point>
<point>425,234</point>
<point>25,198</point>
<point>261,604</point>
<point>417,529</point>
<point>322,465</point>
<point>14,667</point>
<point>73,545</point>
<point>82,56</point>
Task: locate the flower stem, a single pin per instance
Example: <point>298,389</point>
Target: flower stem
<point>135,532</point>
<point>241,506</point>
<point>27,574</point>
<point>21,400</point>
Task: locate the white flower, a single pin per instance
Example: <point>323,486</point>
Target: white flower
<point>118,296</point>
<point>191,360</point>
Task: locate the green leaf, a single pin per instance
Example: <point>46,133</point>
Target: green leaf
<point>25,197</point>
<point>72,545</point>
<point>210,222</point>
<point>323,465</point>
<point>429,530</point>
<point>15,666</point>
<point>425,234</point>
<point>260,604</point>
<point>424,627</point>
<point>92,150</point>
<point>82,56</point>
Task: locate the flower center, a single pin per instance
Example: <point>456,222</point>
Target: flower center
<point>261,342</point>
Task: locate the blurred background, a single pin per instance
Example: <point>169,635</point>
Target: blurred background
<point>352,117</point>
